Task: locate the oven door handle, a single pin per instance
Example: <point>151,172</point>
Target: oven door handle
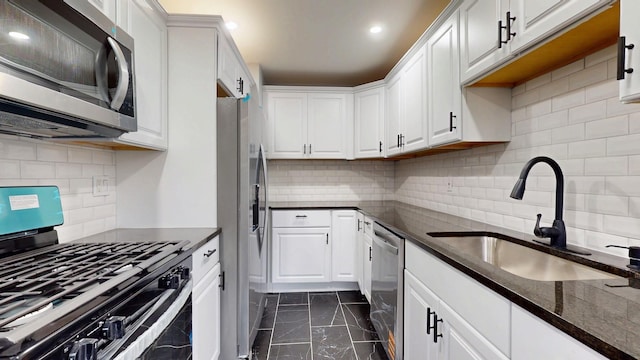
<point>384,244</point>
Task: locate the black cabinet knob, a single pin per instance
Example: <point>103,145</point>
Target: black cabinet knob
<point>84,349</point>
<point>113,328</point>
<point>171,281</point>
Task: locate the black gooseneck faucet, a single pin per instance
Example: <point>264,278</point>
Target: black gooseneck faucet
<point>557,233</point>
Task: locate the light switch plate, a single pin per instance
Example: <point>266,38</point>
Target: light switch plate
<point>100,185</point>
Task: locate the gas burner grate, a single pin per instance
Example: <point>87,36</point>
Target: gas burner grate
<point>44,278</point>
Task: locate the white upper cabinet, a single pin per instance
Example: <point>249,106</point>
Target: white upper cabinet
<point>444,95</point>
<point>315,125</point>
<point>537,20</point>
<point>369,121</point>
<point>629,51</point>
<point>145,21</point>
<point>414,134</point>
<point>494,31</point>
<point>480,46</point>
<point>230,70</point>
<point>393,115</point>
<point>406,116</point>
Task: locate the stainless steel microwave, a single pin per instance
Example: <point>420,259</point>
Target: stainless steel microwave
<point>66,70</point>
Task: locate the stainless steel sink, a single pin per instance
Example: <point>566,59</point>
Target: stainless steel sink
<point>523,261</point>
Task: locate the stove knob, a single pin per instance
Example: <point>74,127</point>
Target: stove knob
<point>184,272</point>
<point>84,349</point>
<point>113,328</point>
<point>171,281</point>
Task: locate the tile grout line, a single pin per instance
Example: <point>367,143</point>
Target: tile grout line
<point>273,327</point>
<point>344,317</point>
<point>310,330</point>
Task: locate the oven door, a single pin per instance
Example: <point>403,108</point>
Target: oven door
<point>387,289</point>
<point>146,319</point>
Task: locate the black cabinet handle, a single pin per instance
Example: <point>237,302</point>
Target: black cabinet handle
<point>309,149</point>
<point>301,216</point>
<point>380,146</point>
<point>429,313</point>
<point>240,86</point>
<point>359,225</point>
<point>435,328</point>
<point>401,139</point>
<point>327,238</point>
<point>221,286</point>
<point>500,41</point>
<point>398,140</point>
<point>370,253</point>
<point>622,54</point>
<point>510,21</point>
<point>451,117</point>
<point>209,253</point>
<point>304,149</point>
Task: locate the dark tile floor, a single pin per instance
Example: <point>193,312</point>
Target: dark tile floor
<point>317,326</point>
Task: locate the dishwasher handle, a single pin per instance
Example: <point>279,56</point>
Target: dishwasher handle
<point>379,240</point>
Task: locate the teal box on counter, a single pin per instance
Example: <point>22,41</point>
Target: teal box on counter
<point>27,208</point>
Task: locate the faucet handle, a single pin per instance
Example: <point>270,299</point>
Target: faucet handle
<point>536,230</point>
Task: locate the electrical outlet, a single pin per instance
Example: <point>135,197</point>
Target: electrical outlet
<point>449,184</point>
<point>100,185</point>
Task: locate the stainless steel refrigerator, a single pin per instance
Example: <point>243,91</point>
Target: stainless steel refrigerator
<point>242,216</point>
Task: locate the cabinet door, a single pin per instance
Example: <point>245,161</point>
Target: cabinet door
<point>630,85</point>
<point>369,123</point>
<point>479,46</point>
<point>445,96</point>
<point>301,255</point>
<point>393,117</point>
<point>359,250</point>
<point>366,271</point>
<point>206,316</point>
<point>414,99</point>
<point>343,250</point>
<point>537,20</point>
<point>460,341</point>
<point>147,25</point>
<point>228,68</point>
<point>287,125</point>
<point>418,303</point>
<point>326,129</point>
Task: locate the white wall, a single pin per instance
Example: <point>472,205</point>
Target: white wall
<point>572,115</point>
<point>327,180</point>
<point>27,162</point>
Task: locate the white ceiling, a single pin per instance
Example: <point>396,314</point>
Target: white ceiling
<point>320,42</point>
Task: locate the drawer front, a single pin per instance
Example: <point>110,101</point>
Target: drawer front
<point>301,218</point>
<point>205,258</point>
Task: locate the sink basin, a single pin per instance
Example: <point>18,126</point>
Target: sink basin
<point>523,261</point>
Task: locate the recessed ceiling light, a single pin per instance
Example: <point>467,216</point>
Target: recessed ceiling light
<point>375,29</point>
<point>231,25</point>
<point>18,35</point>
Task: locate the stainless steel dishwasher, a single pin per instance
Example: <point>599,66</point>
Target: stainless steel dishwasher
<point>387,288</point>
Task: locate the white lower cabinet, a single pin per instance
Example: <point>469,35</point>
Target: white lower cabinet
<point>344,248</point>
<point>301,255</point>
<point>206,302</point>
<point>366,270</point>
<point>462,320</point>
<point>359,249</point>
<point>532,339</point>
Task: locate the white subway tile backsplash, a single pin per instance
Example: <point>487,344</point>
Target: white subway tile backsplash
<point>588,112</point>
<point>587,149</point>
<point>622,226</point>
<point>616,126</point>
<point>591,75</point>
<point>607,204</point>
<point>600,56</point>
<point>566,134</point>
<point>29,162</point>
<point>607,166</point>
<point>568,100</point>
<point>567,70</point>
<point>602,91</point>
<point>554,88</point>
<point>623,145</point>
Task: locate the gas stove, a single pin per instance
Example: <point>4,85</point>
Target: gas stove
<point>80,300</point>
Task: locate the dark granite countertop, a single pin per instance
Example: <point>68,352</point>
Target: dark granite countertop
<point>603,314</point>
<point>196,236</point>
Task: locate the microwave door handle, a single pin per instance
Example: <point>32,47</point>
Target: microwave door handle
<point>123,75</point>
<point>101,74</point>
